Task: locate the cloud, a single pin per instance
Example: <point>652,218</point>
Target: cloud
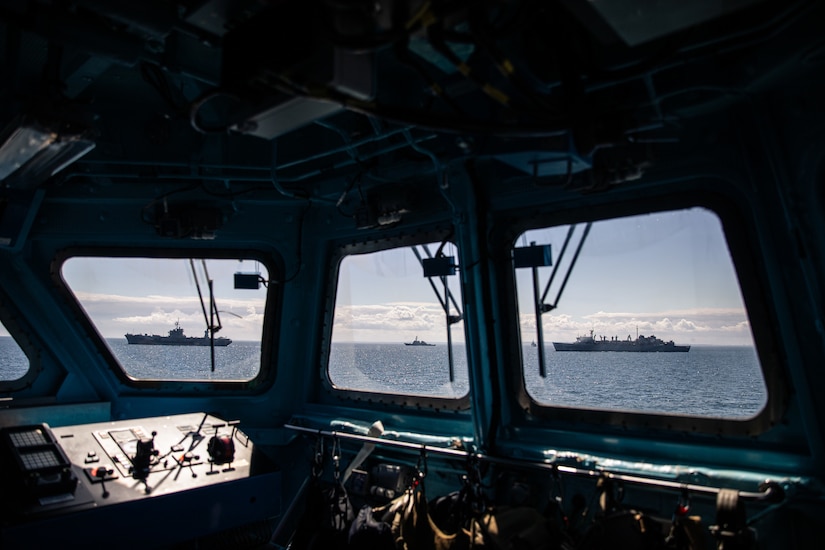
<point>738,327</point>
<point>701,312</point>
<point>687,326</point>
<point>384,322</point>
<point>243,319</point>
<point>719,326</point>
<point>86,298</point>
<point>114,315</point>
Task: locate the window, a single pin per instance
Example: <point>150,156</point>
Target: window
<point>651,318</point>
<point>396,331</point>
<point>13,362</point>
<point>155,314</point>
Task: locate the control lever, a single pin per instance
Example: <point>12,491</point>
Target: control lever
<point>145,457</point>
<point>222,448</point>
<point>101,473</point>
<point>186,459</point>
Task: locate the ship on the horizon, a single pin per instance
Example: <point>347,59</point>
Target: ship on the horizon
<point>176,338</point>
<point>640,344</point>
<point>417,342</point>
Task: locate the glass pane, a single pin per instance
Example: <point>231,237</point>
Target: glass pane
<point>651,319</point>
<point>150,312</point>
<point>13,362</point>
<point>391,331</point>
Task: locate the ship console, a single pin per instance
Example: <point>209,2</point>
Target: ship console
<point>189,476</point>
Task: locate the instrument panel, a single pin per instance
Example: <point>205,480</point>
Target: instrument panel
<point>195,473</point>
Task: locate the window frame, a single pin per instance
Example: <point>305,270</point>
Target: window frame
<point>341,250</point>
<point>267,371</point>
<point>737,228</point>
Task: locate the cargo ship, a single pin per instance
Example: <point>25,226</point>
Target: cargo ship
<point>175,338</point>
<point>640,344</point>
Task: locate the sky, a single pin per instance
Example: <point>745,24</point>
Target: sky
<point>143,295</point>
<point>668,275</point>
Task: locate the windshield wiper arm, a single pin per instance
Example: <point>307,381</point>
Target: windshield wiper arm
<point>445,305</point>
<point>538,301</point>
<point>214,314</point>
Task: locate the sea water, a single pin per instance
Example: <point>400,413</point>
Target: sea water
<point>238,361</point>
<point>714,381</point>
<point>13,362</point>
<point>707,380</point>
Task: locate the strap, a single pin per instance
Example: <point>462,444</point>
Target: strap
<point>375,430</point>
<point>731,529</point>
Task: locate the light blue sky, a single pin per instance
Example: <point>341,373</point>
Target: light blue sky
<point>384,297</point>
<point>667,274</point>
<point>143,295</point>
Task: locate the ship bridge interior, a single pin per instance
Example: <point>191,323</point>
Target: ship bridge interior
<point>264,259</point>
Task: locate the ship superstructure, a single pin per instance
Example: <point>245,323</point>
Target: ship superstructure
<point>640,344</point>
<point>176,338</point>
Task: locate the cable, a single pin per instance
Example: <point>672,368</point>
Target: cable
<point>549,127</point>
<point>481,36</point>
<point>163,198</point>
<point>404,55</point>
<point>299,254</point>
<point>156,78</point>
<point>436,39</point>
<point>196,106</point>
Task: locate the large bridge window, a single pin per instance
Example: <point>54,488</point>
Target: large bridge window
<point>397,331</point>
<point>162,317</point>
<point>642,313</point>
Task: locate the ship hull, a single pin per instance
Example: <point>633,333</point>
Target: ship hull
<point>166,341</point>
<point>618,346</point>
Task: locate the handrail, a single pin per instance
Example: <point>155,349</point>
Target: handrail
<point>768,492</point>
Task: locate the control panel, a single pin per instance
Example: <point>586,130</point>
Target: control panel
<point>192,466</point>
<point>40,469</point>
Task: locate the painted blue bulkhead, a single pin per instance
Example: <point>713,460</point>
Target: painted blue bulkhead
<point>747,141</point>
